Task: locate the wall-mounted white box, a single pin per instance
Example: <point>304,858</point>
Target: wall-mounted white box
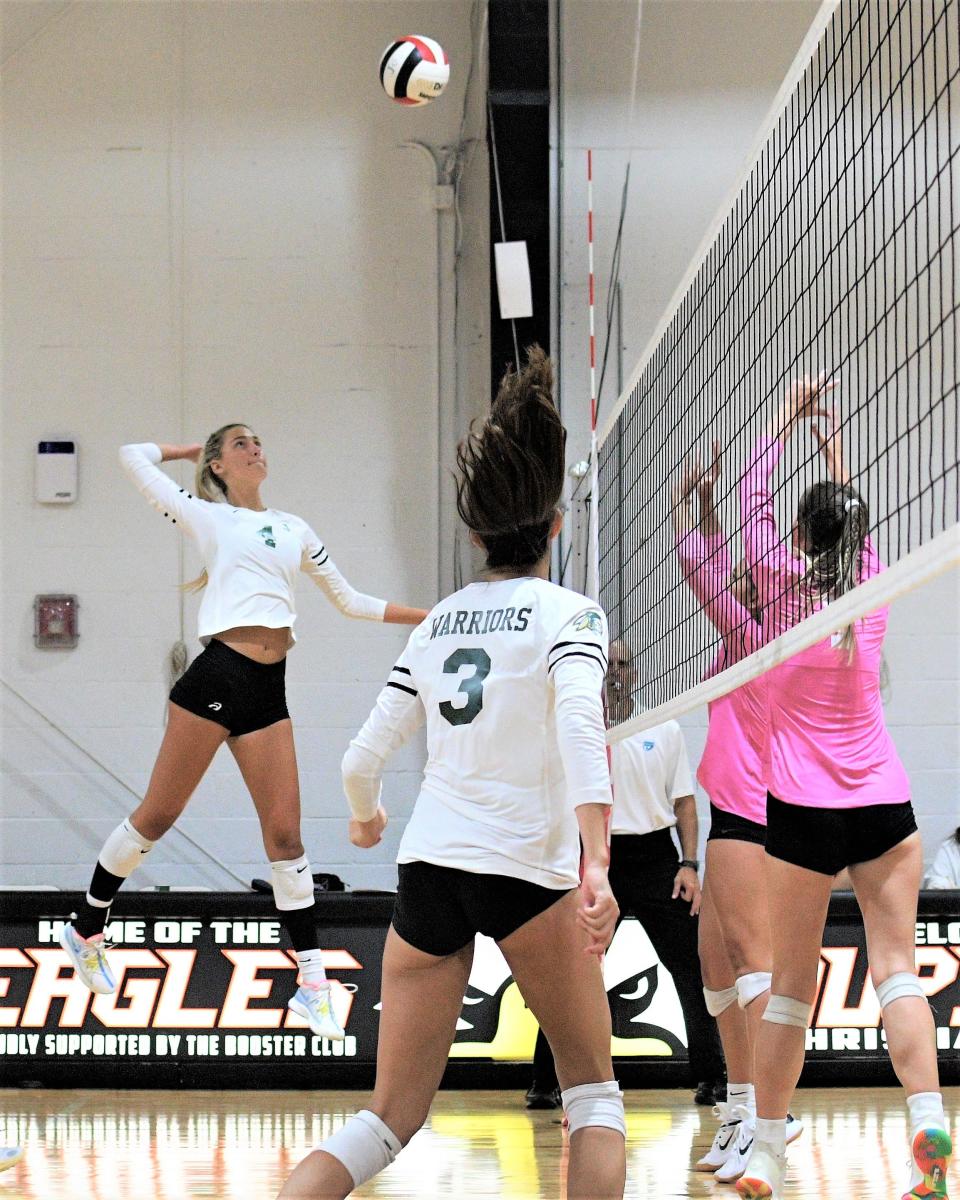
<point>56,476</point>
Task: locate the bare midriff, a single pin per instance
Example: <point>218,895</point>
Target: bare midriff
<point>258,642</point>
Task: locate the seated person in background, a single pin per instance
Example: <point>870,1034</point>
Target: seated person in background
<point>945,869</point>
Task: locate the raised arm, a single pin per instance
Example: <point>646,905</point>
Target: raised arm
<point>317,563</point>
<point>141,465</point>
<point>704,554</point>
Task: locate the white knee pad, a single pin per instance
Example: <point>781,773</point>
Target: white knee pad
<point>292,883</point>
<point>904,983</point>
<point>749,987</point>
<point>594,1104</point>
<point>783,1010</point>
<point>124,850</point>
<point>365,1146</point>
<point>719,999</point>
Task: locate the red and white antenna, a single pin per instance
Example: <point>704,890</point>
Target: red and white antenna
<point>593,522</point>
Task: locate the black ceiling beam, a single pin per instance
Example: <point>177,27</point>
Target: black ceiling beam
<point>519,96</point>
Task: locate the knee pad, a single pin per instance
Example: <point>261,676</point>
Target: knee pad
<point>594,1104</point>
<point>292,883</point>
<point>749,987</point>
<point>124,850</point>
<point>783,1010</point>
<point>904,983</point>
<point>719,999</point>
<point>365,1146</point>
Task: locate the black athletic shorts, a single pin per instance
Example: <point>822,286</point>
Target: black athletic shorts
<point>439,910</point>
<point>227,687</point>
<point>728,826</point>
<point>828,839</point>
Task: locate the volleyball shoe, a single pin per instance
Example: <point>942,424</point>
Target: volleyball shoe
<point>10,1156</point>
<point>931,1159</point>
<point>725,1139</point>
<point>89,959</point>
<point>763,1177</point>
<point>312,1002</point>
<point>734,1139</point>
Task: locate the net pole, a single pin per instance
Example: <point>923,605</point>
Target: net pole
<point>593,502</point>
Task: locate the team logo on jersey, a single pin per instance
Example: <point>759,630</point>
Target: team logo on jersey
<point>649,745</point>
<point>592,622</point>
<point>267,534</point>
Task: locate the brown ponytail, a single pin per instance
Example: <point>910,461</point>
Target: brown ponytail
<point>833,521</point>
<point>511,468</point>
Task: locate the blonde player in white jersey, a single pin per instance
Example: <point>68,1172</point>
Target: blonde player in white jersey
<point>233,692</point>
<point>507,674</point>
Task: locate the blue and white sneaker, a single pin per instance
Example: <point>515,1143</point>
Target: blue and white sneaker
<point>10,1156</point>
<point>89,959</point>
<point>312,1002</point>
<point>794,1128</point>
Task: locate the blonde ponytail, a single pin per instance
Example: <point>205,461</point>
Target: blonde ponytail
<point>209,486</point>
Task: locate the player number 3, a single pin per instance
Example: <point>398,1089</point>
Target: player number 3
<point>470,685</point>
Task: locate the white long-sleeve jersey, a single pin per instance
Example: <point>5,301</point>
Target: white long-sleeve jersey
<point>508,677</point>
<point>252,558</point>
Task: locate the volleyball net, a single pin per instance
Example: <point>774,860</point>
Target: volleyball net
<point>837,252</point>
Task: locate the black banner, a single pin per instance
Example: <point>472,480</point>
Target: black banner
<point>203,980</point>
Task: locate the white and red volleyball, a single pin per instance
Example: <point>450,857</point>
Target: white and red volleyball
<point>414,70</point>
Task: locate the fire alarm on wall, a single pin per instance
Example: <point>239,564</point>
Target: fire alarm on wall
<point>55,621</point>
<point>56,472</point>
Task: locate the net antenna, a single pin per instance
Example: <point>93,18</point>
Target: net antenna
<point>593,525</point>
<point>836,250</point>
<point>592,581</point>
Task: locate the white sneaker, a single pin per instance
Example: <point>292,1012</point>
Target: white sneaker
<point>932,1149</point>
<point>736,1160</point>
<point>10,1156</point>
<point>89,959</point>
<point>724,1140</point>
<point>794,1128</point>
<point>312,1002</point>
<point>762,1178</point>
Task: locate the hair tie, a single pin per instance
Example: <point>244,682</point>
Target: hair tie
<point>852,503</point>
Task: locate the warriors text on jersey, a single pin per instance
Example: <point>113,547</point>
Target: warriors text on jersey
<point>507,676</point>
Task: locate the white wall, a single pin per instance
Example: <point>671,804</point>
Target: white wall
<point>708,73</point>
<point>208,215</point>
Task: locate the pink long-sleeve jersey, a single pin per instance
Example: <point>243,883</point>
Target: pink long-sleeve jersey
<point>731,769</point>
<point>827,745</point>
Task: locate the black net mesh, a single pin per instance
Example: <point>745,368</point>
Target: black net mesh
<point>839,254</point>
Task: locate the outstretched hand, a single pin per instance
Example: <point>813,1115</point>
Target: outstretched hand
<point>827,436</point>
<point>806,399</point>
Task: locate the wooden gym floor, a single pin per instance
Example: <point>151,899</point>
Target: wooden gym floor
<point>99,1145</point>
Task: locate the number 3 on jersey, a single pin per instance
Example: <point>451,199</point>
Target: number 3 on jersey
<point>470,685</point>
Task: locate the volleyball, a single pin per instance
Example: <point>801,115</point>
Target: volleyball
<point>414,70</point>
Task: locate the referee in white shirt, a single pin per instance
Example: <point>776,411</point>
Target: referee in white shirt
<point>652,795</point>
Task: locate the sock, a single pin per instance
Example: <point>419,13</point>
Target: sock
<point>311,967</point>
<point>773,1134</point>
<point>926,1112</point>
<point>742,1094</point>
<point>301,925</point>
<point>94,911</point>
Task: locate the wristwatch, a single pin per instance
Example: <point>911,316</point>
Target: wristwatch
<point>693,863</point>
